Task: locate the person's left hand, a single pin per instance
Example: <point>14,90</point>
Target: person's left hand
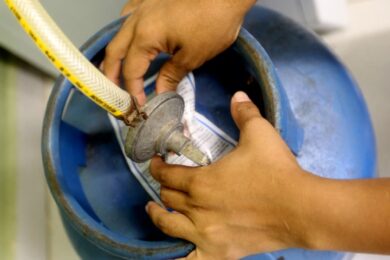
<point>242,204</point>
<point>190,32</point>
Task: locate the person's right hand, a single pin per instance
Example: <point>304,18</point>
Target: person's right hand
<point>248,201</point>
<point>257,198</point>
<point>191,31</point>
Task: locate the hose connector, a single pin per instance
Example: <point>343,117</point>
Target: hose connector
<point>162,132</point>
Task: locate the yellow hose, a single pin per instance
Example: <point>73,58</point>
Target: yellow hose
<point>67,58</point>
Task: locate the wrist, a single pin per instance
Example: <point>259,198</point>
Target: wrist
<point>299,230</point>
<point>312,206</point>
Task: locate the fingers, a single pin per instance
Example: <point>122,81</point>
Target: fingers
<point>243,109</point>
<point>173,71</point>
<point>135,66</point>
<point>172,176</point>
<point>174,199</point>
<point>171,223</point>
<point>138,48</point>
<point>116,51</point>
<point>137,56</point>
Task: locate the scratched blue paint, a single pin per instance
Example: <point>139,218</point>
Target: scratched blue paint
<point>317,108</point>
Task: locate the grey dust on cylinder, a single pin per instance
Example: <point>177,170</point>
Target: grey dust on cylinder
<point>162,132</point>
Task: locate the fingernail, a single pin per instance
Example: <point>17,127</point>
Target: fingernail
<point>101,66</point>
<point>240,96</point>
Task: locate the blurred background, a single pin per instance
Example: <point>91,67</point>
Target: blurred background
<point>358,31</point>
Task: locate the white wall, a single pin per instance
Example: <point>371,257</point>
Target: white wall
<point>364,47</point>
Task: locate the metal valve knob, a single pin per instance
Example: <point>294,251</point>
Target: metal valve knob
<point>162,132</point>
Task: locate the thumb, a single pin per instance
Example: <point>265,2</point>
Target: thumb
<point>243,109</point>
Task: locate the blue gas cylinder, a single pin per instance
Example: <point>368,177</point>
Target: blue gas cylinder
<point>297,83</point>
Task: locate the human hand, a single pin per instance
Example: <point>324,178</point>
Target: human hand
<point>130,7</point>
<point>192,32</point>
<point>247,202</point>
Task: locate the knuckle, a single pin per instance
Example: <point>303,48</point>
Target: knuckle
<point>187,60</point>
<point>144,31</point>
<point>154,169</point>
<point>171,79</point>
<point>151,52</point>
<point>211,233</point>
<point>193,182</point>
<point>114,51</point>
<point>252,123</point>
<point>162,176</point>
<point>158,171</point>
<point>126,74</point>
<point>164,196</point>
<point>162,223</point>
<point>184,64</point>
<point>197,185</point>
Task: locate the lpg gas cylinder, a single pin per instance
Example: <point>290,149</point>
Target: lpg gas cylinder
<point>298,84</point>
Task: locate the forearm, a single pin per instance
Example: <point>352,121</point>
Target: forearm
<point>348,215</point>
